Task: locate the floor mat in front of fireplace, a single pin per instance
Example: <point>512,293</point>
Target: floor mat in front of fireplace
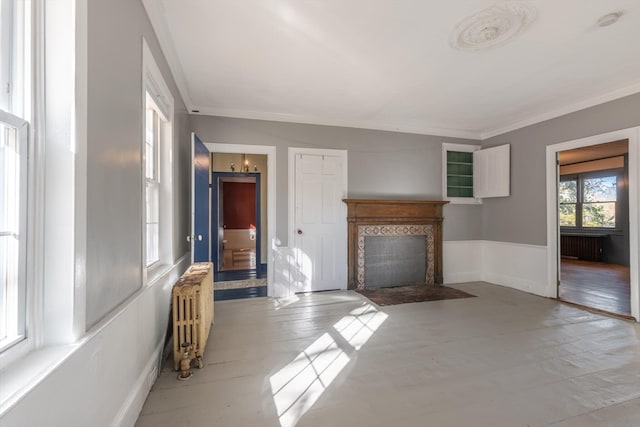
<point>413,293</point>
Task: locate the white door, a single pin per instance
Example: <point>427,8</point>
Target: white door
<point>320,223</point>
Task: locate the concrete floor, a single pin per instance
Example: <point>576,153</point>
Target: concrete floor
<point>506,358</point>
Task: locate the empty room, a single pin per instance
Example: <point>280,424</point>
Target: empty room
<point>318,213</point>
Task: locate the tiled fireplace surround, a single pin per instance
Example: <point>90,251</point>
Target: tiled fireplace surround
<point>369,217</point>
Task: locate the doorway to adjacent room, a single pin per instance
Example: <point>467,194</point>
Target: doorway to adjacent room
<point>592,221</point>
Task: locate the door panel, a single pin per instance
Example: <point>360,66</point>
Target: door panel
<point>200,203</point>
<point>320,223</point>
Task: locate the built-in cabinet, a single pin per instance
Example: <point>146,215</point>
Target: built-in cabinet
<point>470,174</point>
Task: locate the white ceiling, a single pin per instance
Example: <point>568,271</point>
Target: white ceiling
<point>388,64</point>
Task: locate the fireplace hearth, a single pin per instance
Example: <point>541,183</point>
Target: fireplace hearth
<point>394,242</point>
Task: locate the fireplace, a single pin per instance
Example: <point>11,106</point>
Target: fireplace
<point>394,242</point>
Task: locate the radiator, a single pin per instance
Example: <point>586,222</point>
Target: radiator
<point>192,301</point>
<point>586,247</point>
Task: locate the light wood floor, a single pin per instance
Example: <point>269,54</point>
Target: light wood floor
<point>503,359</point>
<point>598,285</point>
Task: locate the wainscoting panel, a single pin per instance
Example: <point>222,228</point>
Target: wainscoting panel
<point>463,261</point>
<point>513,265</point>
<point>518,266</point>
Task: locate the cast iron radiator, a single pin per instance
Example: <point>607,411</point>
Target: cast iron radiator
<point>192,300</point>
<point>582,246</point>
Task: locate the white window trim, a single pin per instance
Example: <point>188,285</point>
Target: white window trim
<point>467,148</point>
<point>154,84</point>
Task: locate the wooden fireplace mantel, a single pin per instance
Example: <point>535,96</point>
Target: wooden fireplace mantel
<point>393,212</point>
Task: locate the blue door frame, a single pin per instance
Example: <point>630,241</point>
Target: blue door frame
<point>215,242</point>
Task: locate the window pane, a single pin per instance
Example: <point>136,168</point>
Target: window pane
<point>567,215</point>
<point>153,202</point>
<point>153,253</point>
<point>568,192</point>
<point>599,215</point>
<point>11,300</point>
<point>151,144</point>
<point>152,222</point>
<point>601,189</point>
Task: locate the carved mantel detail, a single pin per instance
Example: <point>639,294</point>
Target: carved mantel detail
<point>367,217</point>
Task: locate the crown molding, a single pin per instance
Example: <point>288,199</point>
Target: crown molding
<point>572,108</point>
<point>155,12</point>
<point>311,120</point>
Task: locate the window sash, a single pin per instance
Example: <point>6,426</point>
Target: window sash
<point>593,207</point>
<point>152,224</point>
<point>152,140</point>
<point>13,214</point>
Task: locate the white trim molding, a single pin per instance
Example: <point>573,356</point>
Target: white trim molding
<point>553,229</point>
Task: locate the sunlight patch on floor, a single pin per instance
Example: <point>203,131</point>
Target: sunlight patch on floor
<point>297,386</point>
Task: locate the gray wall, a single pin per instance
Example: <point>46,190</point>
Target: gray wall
<point>381,164</point>
<point>521,218</point>
<point>114,178</point>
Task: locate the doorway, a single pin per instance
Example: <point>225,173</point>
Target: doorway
<point>236,218</point>
<point>240,237</point>
<point>593,211</point>
<point>593,214</point>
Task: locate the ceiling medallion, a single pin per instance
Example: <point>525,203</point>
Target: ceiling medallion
<point>493,26</point>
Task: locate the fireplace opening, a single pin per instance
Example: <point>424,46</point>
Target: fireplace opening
<point>395,261</point>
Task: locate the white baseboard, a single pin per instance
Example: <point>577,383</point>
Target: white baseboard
<point>514,265</point>
<point>132,406</point>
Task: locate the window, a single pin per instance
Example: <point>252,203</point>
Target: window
<point>568,195</point>
<point>589,200</point>
<point>599,196</point>
<point>157,153</point>
<point>14,142</point>
<point>13,182</point>
<point>152,182</point>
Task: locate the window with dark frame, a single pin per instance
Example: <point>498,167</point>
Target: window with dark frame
<point>589,200</point>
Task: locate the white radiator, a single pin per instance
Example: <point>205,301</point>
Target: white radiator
<point>192,300</point>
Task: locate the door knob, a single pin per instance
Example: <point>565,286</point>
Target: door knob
<point>199,237</point>
<point>188,238</point>
<point>299,231</point>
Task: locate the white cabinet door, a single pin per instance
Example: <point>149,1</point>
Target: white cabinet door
<point>491,172</point>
